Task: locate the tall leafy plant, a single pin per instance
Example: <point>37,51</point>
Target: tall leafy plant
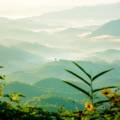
<point>89,82</point>
<point>2,77</point>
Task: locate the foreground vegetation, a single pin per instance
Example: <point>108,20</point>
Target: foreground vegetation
<point>102,103</point>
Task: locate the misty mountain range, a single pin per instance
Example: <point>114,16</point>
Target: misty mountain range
<point>32,41</point>
<point>35,51</point>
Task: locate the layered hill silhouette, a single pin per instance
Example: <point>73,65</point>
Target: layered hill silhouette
<point>111,28</point>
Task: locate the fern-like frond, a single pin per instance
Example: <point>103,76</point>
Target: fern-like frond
<point>100,74</point>
<point>74,74</point>
<point>82,69</point>
<point>101,102</point>
<point>99,89</point>
<point>78,88</point>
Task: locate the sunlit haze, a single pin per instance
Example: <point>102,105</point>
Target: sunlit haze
<point>25,8</point>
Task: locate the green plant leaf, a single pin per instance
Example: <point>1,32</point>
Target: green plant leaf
<point>6,95</point>
<point>78,88</point>
<point>1,66</point>
<point>78,77</point>
<point>96,90</point>
<point>100,74</point>
<point>89,76</point>
<point>1,77</point>
<point>101,102</point>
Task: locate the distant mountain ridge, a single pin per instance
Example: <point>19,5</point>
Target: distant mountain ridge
<point>111,28</point>
<point>14,58</point>
<point>56,70</point>
<point>110,55</point>
<point>28,91</point>
<point>41,95</point>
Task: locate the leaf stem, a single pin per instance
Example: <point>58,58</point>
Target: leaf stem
<point>92,99</point>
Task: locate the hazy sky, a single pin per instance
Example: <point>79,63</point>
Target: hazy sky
<point>22,8</point>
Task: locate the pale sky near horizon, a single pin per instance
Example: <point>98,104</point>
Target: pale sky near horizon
<point>24,8</point>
